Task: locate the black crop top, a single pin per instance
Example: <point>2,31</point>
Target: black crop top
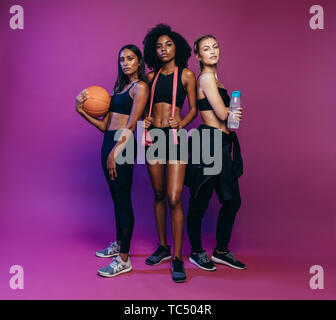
<point>164,89</point>
<point>203,104</point>
<point>122,102</point>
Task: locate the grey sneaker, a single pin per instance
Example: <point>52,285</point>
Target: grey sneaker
<point>116,267</point>
<point>159,255</point>
<point>228,259</point>
<point>202,261</point>
<point>112,251</point>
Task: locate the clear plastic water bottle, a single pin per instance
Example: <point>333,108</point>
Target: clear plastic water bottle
<point>234,104</point>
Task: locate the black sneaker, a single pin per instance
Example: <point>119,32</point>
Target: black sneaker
<point>159,255</point>
<point>178,272</point>
<point>202,261</point>
<point>227,259</point>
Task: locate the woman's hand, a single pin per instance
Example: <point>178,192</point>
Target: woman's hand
<point>237,114</point>
<point>82,96</point>
<point>173,123</point>
<point>111,166</point>
<point>147,122</point>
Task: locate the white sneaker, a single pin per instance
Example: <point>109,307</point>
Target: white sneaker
<point>116,267</point>
<point>112,251</point>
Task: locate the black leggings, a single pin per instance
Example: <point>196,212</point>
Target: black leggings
<point>120,189</point>
<point>226,217</point>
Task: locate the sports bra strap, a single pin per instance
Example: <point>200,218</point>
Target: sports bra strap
<point>147,137</point>
<point>133,84</point>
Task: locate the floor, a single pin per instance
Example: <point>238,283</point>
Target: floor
<point>65,267</point>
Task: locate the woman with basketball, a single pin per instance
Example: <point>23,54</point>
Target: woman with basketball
<point>167,53</point>
<point>213,102</point>
<point>128,102</point>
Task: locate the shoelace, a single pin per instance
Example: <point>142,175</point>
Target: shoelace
<point>229,254</point>
<point>178,265</point>
<point>113,247</point>
<point>204,257</point>
<point>159,250</point>
<point>116,264</point>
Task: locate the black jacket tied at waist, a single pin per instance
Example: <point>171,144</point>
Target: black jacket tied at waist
<point>232,167</point>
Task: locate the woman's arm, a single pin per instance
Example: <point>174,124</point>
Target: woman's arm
<point>100,124</point>
<point>147,121</point>
<point>188,78</point>
<point>208,85</point>
<point>150,76</point>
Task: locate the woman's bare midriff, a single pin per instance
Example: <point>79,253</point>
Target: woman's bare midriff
<point>161,112</point>
<point>208,116</point>
<point>118,121</point>
<point>210,119</point>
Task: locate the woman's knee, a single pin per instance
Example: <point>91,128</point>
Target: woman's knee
<point>236,203</point>
<point>174,201</point>
<point>126,218</point>
<point>160,195</point>
<point>230,206</point>
<point>198,206</point>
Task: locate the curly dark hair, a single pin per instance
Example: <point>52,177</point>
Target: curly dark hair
<point>183,50</point>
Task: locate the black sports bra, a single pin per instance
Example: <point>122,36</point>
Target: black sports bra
<point>164,89</point>
<point>203,104</point>
<point>122,102</point>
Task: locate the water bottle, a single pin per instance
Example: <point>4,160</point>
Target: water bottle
<point>234,104</point>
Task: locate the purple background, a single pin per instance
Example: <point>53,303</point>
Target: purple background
<point>55,205</point>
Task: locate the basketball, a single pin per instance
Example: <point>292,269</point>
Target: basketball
<point>98,102</point>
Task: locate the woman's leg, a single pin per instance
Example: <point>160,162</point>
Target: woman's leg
<point>120,189</point>
<point>225,222</point>
<point>122,186</point>
<point>197,208</point>
<point>158,180</point>
<point>175,181</point>
<point>226,217</point>
<point>106,149</point>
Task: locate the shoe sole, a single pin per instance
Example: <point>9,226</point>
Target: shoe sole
<point>180,281</point>
<point>216,260</point>
<point>107,275</point>
<point>155,264</point>
<point>106,256</point>
<point>194,262</point>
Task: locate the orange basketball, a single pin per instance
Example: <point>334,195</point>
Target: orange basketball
<point>98,102</point>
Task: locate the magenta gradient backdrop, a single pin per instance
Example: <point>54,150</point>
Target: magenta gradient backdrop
<point>53,191</point>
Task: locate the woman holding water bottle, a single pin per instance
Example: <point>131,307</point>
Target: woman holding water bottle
<point>213,102</point>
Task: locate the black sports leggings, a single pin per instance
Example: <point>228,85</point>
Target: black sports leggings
<point>226,216</point>
<point>120,189</point>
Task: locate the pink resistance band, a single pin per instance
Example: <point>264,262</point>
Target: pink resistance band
<point>146,138</point>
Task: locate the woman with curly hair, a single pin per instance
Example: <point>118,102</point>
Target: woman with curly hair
<point>166,53</point>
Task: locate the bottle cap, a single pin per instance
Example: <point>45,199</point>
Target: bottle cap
<point>235,93</point>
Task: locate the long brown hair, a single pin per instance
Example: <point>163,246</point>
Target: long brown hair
<point>123,79</point>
